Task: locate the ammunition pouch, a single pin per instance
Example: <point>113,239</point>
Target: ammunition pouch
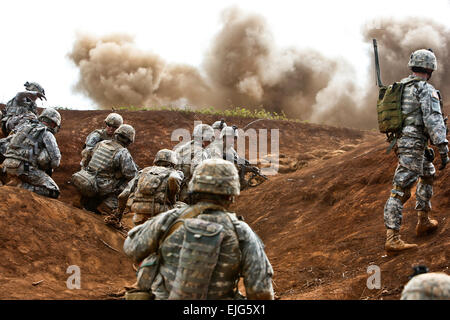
<point>86,182</point>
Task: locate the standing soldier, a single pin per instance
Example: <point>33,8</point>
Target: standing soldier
<point>423,121</point>
<point>201,250</point>
<point>112,121</point>
<point>22,107</point>
<point>192,153</point>
<point>152,191</point>
<point>33,153</point>
<point>107,173</point>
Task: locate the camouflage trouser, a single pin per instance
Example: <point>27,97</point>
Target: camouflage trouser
<point>101,204</point>
<point>406,174</point>
<point>31,178</point>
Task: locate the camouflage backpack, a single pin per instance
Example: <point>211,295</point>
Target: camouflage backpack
<point>389,107</point>
<point>150,196</point>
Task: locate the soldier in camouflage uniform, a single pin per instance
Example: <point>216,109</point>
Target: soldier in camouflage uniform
<point>112,121</point>
<point>152,191</point>
<point>204,249</point>
<point>218,126</point>
<point>113,167</point>
<point>22,107</point>
<point>423,122</point>
<point>224,146</point>
<point>192,153</point>
<point>33,153</point>
<point>427,286</point>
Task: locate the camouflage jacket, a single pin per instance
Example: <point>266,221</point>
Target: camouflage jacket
<point>241,254</point>
<point>424,120</point>
<point>95,137</point>
<point>189,156</point>
<point>20,104</point>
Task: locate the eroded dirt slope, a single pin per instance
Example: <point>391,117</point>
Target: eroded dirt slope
<point>322,224</point>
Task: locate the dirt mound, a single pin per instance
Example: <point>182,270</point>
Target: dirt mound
<point>321,219</point>
<point>323,226</point>
<point>41,238</point>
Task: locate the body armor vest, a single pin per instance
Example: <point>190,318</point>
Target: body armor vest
<point>27,143</point>
<point>222,279</point>
<point>103,156</point>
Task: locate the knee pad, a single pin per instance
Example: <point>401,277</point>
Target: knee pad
<point>401,193</point>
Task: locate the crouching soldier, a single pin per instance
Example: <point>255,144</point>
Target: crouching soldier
<point>201,250</point>
<point>152,191</point>
<point>107,174</point>
<point>33,153</point>
<point>112,122</point>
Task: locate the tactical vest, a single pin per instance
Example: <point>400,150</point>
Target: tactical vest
<point>102,161</point>
<point>150,196</point>
<point>27,143</point>
<point>208,264</point>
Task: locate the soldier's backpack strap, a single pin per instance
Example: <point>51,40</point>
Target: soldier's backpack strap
<point>188,213</point>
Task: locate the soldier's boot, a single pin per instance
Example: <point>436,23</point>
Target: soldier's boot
<point>425,225</point>
<point>394,243</point>
<point>114,220</point>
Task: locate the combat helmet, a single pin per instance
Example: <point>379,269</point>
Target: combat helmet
<point>125,131</point>
<point>52,115</point>
<point>203,132</point>
<point>219,125</point>
<point>215,176</point>
<point>114,120</point>
<point>423,58</point>
<point>165,155</point>
<point>427,286</point>
<point>229,131</point>
<point>34,86</point>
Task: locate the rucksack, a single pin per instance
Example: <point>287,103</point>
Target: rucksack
<point>151,179</point>
<point>389,107</point>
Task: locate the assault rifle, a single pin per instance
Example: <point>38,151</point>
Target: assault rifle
<point>254,179</point>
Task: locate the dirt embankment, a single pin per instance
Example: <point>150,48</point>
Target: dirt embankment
<point>321,221</point>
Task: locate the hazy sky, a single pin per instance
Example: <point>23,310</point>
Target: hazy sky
<point>37,35</point>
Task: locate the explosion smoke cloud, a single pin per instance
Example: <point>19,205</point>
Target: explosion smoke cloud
<point>243,67</point>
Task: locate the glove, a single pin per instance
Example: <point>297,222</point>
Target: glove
<point>429,154</point>
<point>444,160</point>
